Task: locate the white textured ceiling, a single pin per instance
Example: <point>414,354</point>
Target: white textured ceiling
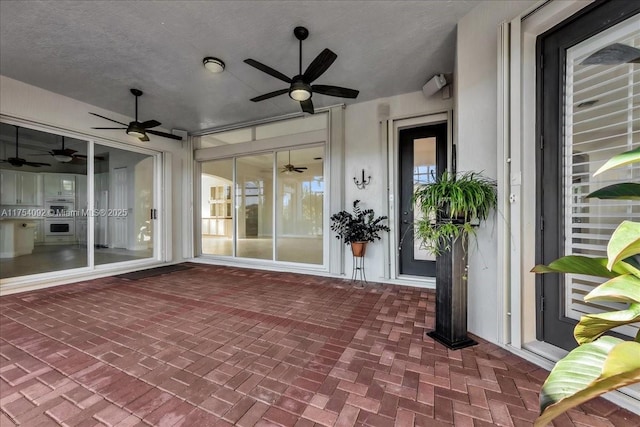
<point>94,51</point>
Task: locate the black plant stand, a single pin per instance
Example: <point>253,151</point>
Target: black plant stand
<point>358,276</point>
<point>451,298</point>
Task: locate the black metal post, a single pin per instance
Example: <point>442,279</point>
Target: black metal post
<point>451,298</point>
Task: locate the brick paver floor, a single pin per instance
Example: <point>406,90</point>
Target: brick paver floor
<point>219,346</point>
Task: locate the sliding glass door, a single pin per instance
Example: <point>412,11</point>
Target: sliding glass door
<point>73,204</point>
<point>267,206</point>
<point>125,211</point>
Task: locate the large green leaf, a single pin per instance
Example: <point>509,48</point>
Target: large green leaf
<point>578,264</point>
<point>624,288</point>
<point>591,326</point>
<point>620,160</point>
<point>623,190</point>
<point>624,242</point>
<point>587,372</point>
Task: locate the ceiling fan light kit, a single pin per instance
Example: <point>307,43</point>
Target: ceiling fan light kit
<point>134,129</point>
<point>213,65</point>
<point>300,91</point>
<point>300,87</point>
<point>62,158</point>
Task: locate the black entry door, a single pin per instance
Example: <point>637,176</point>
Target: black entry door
<point>423,156</point>
<point>583,109</point>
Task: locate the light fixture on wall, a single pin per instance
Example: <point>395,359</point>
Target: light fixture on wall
<point>361,184</point>
<point>212,64</point>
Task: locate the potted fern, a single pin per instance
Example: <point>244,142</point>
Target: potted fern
<point>358,228</point>
<point>451,206</point>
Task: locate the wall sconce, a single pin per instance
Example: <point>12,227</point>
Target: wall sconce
<point>363,182</point>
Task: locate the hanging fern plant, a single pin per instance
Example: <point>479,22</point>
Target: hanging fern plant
<point>451,205</point>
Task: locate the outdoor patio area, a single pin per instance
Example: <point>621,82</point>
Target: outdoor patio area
<point>214,345</point>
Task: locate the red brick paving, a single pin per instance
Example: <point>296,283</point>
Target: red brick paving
<point>219,346</point>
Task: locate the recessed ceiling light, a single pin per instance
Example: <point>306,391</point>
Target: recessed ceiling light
<point>212,64</point>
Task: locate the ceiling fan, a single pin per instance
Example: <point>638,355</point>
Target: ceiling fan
<point>139,129</point>
<point>288,168</point>
<point>614,54</point>
<point>67,155</point>
<point>17,161</point>
<point>300,88</point>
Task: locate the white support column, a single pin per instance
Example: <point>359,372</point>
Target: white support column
<point>335,156</point>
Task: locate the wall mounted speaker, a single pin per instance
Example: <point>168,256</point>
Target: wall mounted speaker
<point>432,87</point>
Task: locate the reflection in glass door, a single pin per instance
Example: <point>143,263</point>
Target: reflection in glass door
<point>278,220</point>
<point>42,229</point>
<point>125,212</point>
<point>299,205</point>
<point>217,211</point>
<point>254,206</point>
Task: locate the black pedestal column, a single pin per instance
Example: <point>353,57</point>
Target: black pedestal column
<point>451,298</point>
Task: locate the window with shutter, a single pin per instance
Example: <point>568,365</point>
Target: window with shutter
<point>601,119</point>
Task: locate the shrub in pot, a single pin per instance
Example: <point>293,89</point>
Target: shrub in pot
<point>359,227</point>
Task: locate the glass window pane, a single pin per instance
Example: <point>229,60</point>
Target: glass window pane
<point>254,206</point>
<point>601,120</point>
<point>424,172</point>
<point>42,228</point>
<point>216,210</point>
<point>123,196</point>
<point>299,208</point>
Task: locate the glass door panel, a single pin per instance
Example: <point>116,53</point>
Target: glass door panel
<point>216,210</point>
<point>124,205</point>
<point>299,205</point>
<point>42,202</point>
<point>254,206</point>
<point>422,157</point>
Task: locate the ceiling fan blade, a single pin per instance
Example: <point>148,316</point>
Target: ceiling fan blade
<point>107,118</point>
<point>319,65</point>
<point>150,124</point>
<point>301,167</point>
<point>266,69</point>
<point>298,170</point>
<point>65,152</point>
<point>36,164</point>
<point>79,156</point>
<point>307,106</point>
<point>613,54</point>
<point>108,128</point>
<point>144,138</point>
<point>269,95</point>
<point>341,92</point>
<point>165,134</point>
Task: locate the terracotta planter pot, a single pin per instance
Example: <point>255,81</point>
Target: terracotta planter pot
<point>358,248</point>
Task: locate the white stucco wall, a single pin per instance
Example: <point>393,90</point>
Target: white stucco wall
<point>26,102</point>
<point>365,148</point>
<point>476,122</point>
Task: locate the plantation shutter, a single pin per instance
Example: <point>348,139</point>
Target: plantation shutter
<point>602,118</point>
